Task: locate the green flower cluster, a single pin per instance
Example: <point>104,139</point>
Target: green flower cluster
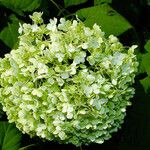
<point>67,82</point>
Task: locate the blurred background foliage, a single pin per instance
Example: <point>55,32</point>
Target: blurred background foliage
<point>127,19</point>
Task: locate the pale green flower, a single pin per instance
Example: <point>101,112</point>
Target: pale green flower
<point>67,82</point>
<point>52,25</point>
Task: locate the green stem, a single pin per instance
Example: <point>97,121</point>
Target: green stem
<point>70,15</point>
<point>81,147</point>
<point>61,9</point>
<point>27,147</point>
<point>57,6</point>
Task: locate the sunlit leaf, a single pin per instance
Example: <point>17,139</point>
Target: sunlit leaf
<point>110,21</point>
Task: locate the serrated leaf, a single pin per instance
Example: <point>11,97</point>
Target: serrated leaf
<point>20,6</point>
<point>9,35</point>
<point>98,2</point>
<point>10,137</point>
<point>68,3</point>
<point>110,21</point>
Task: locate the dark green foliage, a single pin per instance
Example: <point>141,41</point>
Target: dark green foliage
<point>21,6</point>
<point>9,35</point>
<point>110,21</point>
<point>10,137</point>
<point>98,2</point>
<point>1,111</point>
<point>127,19</point>
<point>73,2</point>
<point>146,67</point>
<point>148,2</point>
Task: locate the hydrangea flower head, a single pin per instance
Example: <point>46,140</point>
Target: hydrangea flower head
<point>67,82</point>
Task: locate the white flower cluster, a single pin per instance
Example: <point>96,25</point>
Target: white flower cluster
<point>67,82</point>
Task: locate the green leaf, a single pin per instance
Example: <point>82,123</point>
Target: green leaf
<point>146,62</point>
<point>148,2</point>
<point>146,83</point>
<point>9,136</point>
<point>9,35</point>
<point>110,21</point>
<point>97,2</point>
<point>147,46</point>
<point>21,6</point>
<point>145,66</point>
<point>68,3</point>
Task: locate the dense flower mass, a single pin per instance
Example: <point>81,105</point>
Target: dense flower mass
<point>67,82</point>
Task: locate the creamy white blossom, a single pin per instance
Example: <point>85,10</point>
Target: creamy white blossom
<point>67,82</point>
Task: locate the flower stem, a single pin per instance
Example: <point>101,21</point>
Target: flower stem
<point>56,5</point>
<point>81,147</point>
<point>60,8</point>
